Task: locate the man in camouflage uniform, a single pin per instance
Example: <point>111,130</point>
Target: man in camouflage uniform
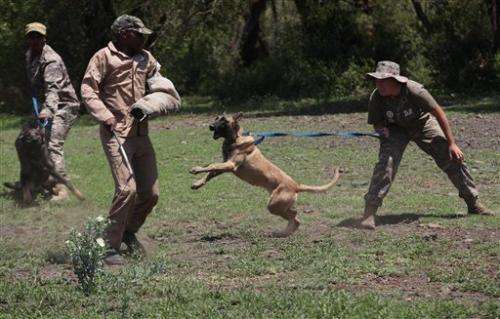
<point>50,83</point>
<point>402,110</point>
<point>115,79</point>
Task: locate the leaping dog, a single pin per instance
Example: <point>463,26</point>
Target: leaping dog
<point>244,159</point>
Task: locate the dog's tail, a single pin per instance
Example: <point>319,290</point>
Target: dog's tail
<point>15,186</point>
<point>323,188</point>
<point>58,177</point>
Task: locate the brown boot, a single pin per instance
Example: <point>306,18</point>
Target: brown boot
<point>368,219</point>
<point>474,207</point>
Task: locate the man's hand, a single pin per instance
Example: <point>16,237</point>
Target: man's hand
<point>456,153</point>
<point>110,124</point>
<point>43,115</point>
<point>383,131</point>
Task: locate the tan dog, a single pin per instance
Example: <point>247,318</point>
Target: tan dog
<point>243,158</point>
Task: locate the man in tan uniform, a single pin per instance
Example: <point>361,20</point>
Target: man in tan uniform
<point>402,110</point>
<point>50,83</point>
<point>115,79</point>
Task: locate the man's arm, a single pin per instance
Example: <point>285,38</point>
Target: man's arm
<point>90,92</point>
<point>375,116</point>
<point>52,78</point>
<point>455,152</point>
<point>425,99</point>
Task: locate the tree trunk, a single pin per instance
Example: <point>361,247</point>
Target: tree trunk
<point>495,21</point>
<point>417,5</point>
<point>253,45</point>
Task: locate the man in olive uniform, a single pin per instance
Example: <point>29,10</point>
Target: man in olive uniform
<point>402,110</point>
<point>115,79</point>
<point>50,83</point>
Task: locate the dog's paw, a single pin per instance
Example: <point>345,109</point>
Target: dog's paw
<point>196,170</point>
<point>197,184</point>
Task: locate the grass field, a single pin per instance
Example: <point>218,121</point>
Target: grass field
<point>210,251</point>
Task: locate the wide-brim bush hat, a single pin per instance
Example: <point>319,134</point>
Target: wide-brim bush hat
<point>387,69</point>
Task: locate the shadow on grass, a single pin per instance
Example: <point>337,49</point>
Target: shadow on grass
<point>268,108</point>
<point>13,192</point>
<point>15,196</point>
<point>404,218</point>
<point>488,104</point>
<point>276,107</point>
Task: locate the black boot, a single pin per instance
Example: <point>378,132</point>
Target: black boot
<point>133,244</point>
<point>113,258</point>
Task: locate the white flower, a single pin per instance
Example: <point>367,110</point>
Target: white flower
<point>100,242</point>
<point>100,218</point>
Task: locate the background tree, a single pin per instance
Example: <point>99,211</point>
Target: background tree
<point>236,50</point>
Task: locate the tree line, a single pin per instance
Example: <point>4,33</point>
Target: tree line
<point>235,50</point>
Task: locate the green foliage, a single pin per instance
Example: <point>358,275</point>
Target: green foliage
<point>87,250</point>
<point>314,48</point>
<point>460,45</point>
<point>210,254</point>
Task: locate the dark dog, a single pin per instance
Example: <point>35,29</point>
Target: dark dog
<point>243,158</point>
<point>38,174</point>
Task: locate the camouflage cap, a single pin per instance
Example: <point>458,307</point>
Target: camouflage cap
<point>127,22</point>
<point>387,69</point>
<point>35,27</point>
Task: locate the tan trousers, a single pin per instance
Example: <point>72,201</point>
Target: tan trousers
<point>431,140</point>
<point>135,195</point>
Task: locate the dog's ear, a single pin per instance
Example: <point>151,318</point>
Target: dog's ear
<point>237,116</point>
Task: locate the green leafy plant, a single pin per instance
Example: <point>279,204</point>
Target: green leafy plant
<point>87,249</point>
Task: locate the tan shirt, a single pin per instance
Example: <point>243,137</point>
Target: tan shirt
<point>113,82</point>
<point>50,82</point>
<point>410,110</point>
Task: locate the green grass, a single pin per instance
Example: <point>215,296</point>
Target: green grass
<point>210,253</point>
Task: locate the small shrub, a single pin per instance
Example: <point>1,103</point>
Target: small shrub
<point>87,250</point>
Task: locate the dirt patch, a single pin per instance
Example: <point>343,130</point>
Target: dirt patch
<point>473,131</point>
<point>411,287</point>
<point>182,121</point>
<point>46,273</point>
<point>477,131</point>
<point>434,231</point>
<point>224,237</point>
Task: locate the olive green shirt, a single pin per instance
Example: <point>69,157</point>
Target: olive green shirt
<point>410,110</point>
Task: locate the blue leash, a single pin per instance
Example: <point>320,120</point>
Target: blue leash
<point>35,104</point>
<point>347,134</point>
